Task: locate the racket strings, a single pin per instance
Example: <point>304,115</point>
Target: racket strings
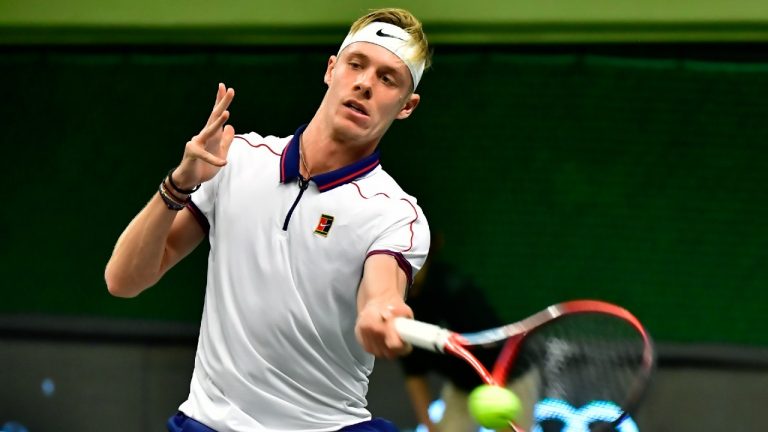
<point>582,358</point>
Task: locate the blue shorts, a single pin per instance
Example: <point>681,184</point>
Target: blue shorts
<point>181,423</point>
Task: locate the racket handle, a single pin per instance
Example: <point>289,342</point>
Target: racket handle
<point>426,336</point>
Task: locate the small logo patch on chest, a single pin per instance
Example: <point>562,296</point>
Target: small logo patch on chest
<point>324,225</point>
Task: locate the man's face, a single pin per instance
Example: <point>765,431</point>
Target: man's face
<point>368,88</point>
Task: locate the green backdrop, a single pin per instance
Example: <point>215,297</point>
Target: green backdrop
<point>554,173</point>
<point>247,22</point>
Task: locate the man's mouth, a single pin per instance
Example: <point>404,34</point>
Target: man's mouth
<point>354,106</point>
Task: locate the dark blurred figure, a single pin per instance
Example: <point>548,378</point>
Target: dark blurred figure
<point>441,295</point>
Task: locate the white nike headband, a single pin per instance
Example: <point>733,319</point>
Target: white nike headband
<point>394,39</point>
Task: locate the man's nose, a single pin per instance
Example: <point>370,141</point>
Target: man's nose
<point>363,83</point>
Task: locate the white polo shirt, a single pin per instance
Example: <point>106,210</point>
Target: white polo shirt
<point>277,349</point>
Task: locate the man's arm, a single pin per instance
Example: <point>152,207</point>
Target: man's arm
<point>158,237</point>
<point>155,240</point>
<point>380,298</point>
<point>417,387</point>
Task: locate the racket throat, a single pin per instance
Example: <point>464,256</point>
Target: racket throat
<point>453,348</point>
<point>507,358</point>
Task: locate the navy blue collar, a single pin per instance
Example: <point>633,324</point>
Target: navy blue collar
<point>289,166</point>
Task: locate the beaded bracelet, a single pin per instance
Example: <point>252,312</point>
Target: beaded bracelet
<point>170,201</point>
<point>178,189</point>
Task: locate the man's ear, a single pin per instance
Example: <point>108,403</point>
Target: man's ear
<point>410,105</point>
<point>329,70</point>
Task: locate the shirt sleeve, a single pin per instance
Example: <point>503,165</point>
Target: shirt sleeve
<point>203,201</point>
<point>405,237</point>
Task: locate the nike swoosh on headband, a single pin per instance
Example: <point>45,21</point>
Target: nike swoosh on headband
<point>394,39</point>
<point>382,34</point>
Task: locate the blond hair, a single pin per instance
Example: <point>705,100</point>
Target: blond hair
<point>406,21</point>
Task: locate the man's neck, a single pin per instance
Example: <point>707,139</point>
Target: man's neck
<point>323,152</point>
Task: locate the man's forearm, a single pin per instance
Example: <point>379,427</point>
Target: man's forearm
<point>137,259</point>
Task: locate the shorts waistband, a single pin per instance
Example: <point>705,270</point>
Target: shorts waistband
<point>183,423</point>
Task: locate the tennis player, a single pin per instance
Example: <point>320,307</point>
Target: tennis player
<point>312,246</point>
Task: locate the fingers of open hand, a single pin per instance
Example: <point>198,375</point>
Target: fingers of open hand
<point>220,90</point>
<point>214,127</point>
<point>226,140</point>
<point>212,159</point>
<point>224,98</point>
<point>196,150</point>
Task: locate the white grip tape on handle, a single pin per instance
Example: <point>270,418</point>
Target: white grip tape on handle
<point>421,334</point>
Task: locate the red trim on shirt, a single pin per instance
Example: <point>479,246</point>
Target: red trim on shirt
<point>361,192</point>
<point>258,145</point>
<point>350,176</point>
<point>410,225</point>
<point>412,222</point>
<point>282,169</point>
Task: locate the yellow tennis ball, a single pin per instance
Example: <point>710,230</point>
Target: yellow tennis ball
<point>494,407</point>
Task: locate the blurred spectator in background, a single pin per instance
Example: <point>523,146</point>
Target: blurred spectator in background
<point>443,296</point>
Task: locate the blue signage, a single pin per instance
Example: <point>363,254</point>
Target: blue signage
<point>573,419</point>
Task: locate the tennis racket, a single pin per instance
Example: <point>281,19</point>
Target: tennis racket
<point>583,361</point>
